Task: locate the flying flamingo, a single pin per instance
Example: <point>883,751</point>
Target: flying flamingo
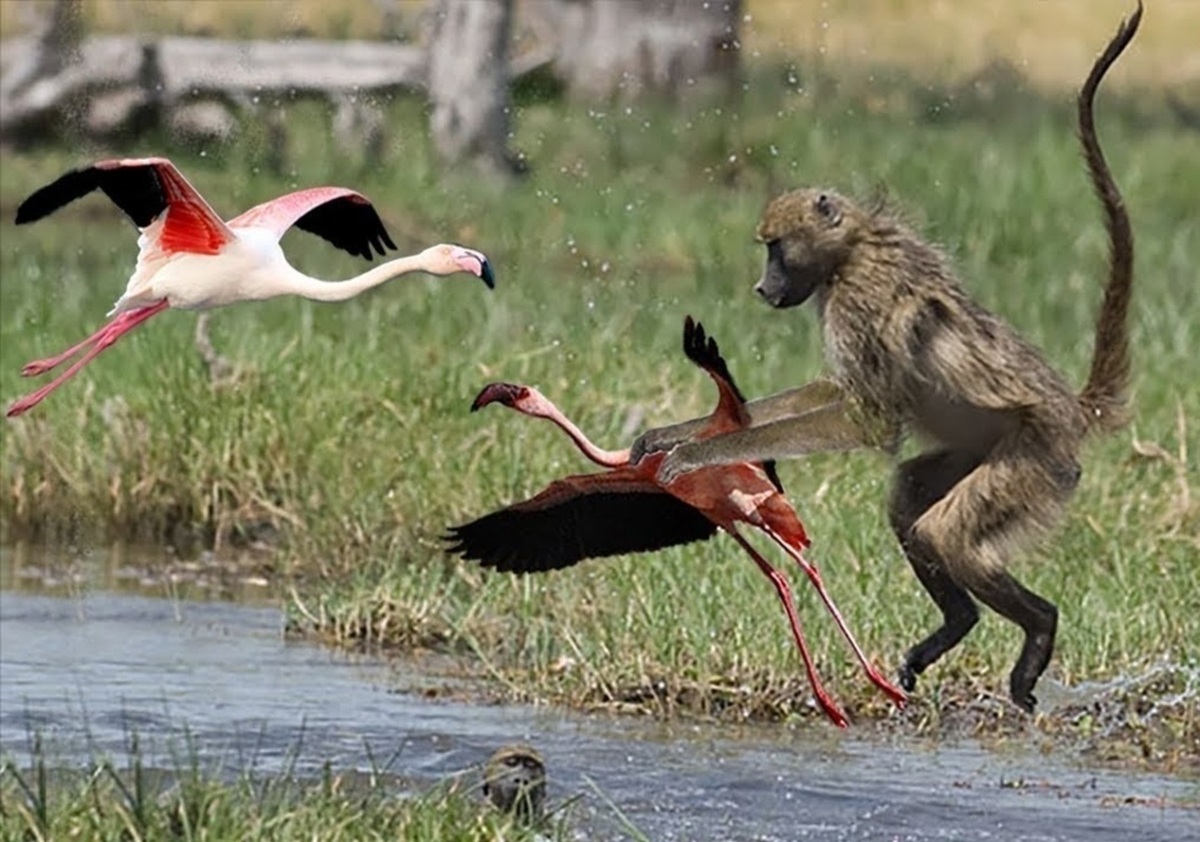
<point>190,259</point>
<point>627,510</point>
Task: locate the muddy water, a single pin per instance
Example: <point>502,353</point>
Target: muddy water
<point>88,668</point>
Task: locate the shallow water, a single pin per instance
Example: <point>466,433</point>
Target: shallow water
<point>90,669</point>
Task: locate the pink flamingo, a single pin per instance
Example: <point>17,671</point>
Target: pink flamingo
<point>627,510</point>
<point>190,259</point>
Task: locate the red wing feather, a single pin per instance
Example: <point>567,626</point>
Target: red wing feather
<point>143,188</point>
<point>192,225</point>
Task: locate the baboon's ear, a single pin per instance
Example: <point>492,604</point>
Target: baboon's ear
<point>881,198</point>
<point>774,186</point>
<point>829,210</point>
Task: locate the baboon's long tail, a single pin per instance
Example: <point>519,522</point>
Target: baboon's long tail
<point>1104,397</point>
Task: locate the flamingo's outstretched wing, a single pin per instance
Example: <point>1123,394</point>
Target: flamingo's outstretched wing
<point>586,516</point>
<point>338,214</point>
<point>143,188</point>
<point>730,413</point>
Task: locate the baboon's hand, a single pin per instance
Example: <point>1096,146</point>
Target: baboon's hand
<point>652,441</point>
<point>677,463</point>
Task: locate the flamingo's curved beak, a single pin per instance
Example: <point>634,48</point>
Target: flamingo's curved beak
<point>476,263</point>
<point>505,393</point>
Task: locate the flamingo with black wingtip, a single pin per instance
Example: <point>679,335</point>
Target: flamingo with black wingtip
<point>189,258</point>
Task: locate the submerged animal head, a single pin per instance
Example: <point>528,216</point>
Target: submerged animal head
<point>514,780</point>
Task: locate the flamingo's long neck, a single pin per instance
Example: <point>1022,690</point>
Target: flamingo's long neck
<point>607,458</point>
<point>297,283</point>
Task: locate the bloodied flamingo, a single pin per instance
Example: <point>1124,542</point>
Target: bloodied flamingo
<point>627,510</point>
<point>190,259</point>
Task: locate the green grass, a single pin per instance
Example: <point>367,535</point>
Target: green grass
<point>130,801</point>
<point>348,426</point>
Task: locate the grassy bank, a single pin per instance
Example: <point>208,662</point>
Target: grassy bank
<point>345,432</point>
<point>131,801</point>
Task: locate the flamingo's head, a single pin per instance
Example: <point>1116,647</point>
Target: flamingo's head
<point>524,399</point>
<point>449,259</point>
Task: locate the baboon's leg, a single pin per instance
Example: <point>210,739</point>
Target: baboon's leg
<point>1038,618</point>
<point>1017,491</point>
<point>921,482</point>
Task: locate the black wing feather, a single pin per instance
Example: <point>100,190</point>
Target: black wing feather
<point>136,190</point>
<point>351,223</point>
<point>517,540</point>
<point>704,352</point>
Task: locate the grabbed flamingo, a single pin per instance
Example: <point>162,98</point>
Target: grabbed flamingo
<point>188,258</point>
<point>626,509</point>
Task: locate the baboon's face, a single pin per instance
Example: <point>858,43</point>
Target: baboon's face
<point>807,235</point>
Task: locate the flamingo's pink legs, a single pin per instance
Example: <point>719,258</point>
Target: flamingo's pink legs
<point>33,369</point>
<point>894,693</point>
<point>784,591</point>
<point>99,340</point>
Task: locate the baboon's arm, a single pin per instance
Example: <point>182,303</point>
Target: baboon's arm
<point>832,427</point>
<point>794,402</point>
<point>761,411</point>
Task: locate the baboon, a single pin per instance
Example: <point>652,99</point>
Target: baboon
<point>910,352</point>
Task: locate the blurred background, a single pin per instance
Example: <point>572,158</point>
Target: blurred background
<point>108,70</point>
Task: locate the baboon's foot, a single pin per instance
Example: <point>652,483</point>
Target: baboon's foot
<point>908,672</point>
<point>1020,687</point>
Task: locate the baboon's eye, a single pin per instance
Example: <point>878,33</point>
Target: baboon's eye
<point>828,210</point>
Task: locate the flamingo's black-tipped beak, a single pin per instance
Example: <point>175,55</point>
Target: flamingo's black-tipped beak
<point>487,275</point>
<point>505,393</point>
<point>475,262</point>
